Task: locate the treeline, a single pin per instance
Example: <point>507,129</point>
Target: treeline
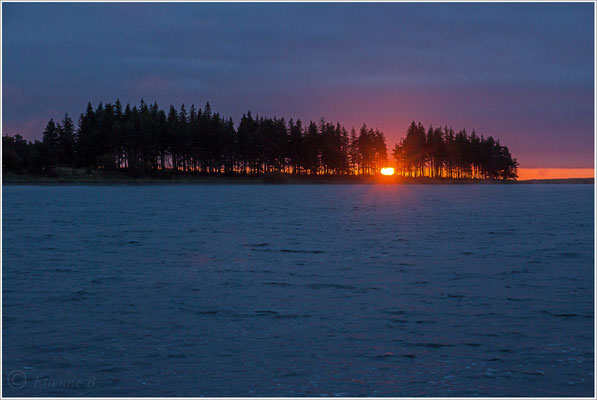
<point>145,140</point>
<point>444,153</point>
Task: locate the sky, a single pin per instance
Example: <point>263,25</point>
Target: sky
<point>520,72</point>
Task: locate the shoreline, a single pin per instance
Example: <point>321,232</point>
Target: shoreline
<point>103,178</point>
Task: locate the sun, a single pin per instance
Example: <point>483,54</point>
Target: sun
<point>387,171</point>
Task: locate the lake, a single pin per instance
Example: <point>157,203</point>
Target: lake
<point>298,290</point>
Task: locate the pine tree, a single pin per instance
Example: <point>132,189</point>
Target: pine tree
<point>66,142</point>
<point>50,144</point>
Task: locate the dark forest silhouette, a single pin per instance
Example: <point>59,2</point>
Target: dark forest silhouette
<point>145,140</point>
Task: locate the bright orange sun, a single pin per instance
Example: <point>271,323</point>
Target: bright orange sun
<point>387,171</point>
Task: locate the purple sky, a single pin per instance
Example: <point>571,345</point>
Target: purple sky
<point>520,72</point>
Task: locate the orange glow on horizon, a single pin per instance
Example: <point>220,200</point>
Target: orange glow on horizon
<point>387,171</point>
<point>554,173</point>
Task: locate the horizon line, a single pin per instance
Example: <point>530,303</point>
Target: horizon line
<point>554,173</point>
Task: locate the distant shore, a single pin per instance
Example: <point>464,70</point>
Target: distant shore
<point>100,177</point>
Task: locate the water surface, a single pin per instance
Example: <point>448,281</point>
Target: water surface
<point>304,290</point>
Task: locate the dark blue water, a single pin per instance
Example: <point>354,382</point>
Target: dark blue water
<point>368,290</point>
